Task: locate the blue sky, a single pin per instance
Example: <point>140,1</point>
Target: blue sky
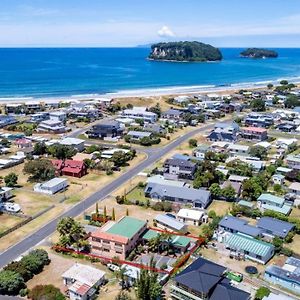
<point>134,22</point>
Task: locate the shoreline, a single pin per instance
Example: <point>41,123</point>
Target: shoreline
<point>149,92</point>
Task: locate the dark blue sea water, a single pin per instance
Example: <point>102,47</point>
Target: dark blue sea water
<point>76,71</point>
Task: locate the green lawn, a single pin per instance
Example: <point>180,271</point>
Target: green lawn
<point>136,194</point>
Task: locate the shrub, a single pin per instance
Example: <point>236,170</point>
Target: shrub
<point>10,283</point>
<point>49,292</point>
<point>261,293</point>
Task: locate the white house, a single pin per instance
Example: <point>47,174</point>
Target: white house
<point>82,281</point>
<point>140,113</point>
<point>52,186</point>
<point>78,144</point>
<point>51,126</point>
<point>192,216</point>
<point>58,116</point>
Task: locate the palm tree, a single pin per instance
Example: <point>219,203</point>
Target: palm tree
<point>167,238</point>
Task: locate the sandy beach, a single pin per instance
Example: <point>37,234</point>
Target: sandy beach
<point>151,92</point>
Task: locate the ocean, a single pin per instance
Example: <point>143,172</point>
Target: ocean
<point>64,72</point>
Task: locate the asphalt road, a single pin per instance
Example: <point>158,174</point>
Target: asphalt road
<point>33,239</point>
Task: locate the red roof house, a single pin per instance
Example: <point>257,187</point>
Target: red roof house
<point>69,167</point>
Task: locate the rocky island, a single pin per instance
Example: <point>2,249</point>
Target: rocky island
<point>258,53</point>
<point>185,52</point>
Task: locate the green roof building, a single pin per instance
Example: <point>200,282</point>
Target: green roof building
<point>249,247</point>
<point>180,243</point>
<point>127,227</point>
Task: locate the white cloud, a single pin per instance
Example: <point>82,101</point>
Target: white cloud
<point>165,31</point>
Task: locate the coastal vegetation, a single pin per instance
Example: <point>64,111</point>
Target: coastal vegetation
<point>259,53</point>
<point>185,51</point>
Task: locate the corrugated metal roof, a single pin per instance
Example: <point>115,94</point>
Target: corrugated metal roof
<point>241,242</point>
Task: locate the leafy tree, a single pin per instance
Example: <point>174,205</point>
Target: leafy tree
<point>292,101</point>
<point>156,109</point>
<point>212,214</point>
<point>20,268</point>
<point>11,179</point>
<point>277,242</point>
<point>93,148</point>
<point>258,105</point>
<point>120,158</point>
<point>40,148</point>
<point>46,292</point>
<point>270,86</point>
<point>215,190</point>
<point>72,234</point>
<point>277,189</point>
<point>261,293</point>
<point>35,261</point>
<point>113,215</point>
<point>238,167</point>
<point>284,82</point>
<point>10,283</point>
<point>147,286</point>
<point>258,151</point>
<point>228,192</point>
<point>252,188</point>
<point>61,151</point>
<point>40,170</point>
<point>193,143</point>
<point>123,296</point>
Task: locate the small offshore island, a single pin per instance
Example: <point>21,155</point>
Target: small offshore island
<point>185,52</point>
<point>258,53</point>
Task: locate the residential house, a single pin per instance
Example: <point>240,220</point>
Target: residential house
<point>138,135</point>
<point>241,245</point>
<point>180,168</point>
<point>224,132</point>
<point>259,120</point>
<point>173,114</point>
<point>294,188</point>
<point>293,161</point>
<point>236,225</point>
<point>51,126</point>
<point>15,108</point>
<point>83,281</point>
<point>110,152</point>
<point>237,149</point>
<point>52,186</point>
<point>106,129</point>
<point>33,106</point>
<point>140,113</point>
<point>7,120</point>
<point>286,127</point>
<point>204,279</point>
<point>273,227</point>
<point>200,151</point>
<point>69,167</point>
<point>237,178</point>
<point>117,238</point>
<point>278,179</point>
<point>75,143</point>
<point>58,116</point>
<point>23,143</point>
<point>179,243</point>
<point>192,216</point>
<point>154,128</point>
<point>199,198</point>
<point>159,179</point>
<point>254,133</point>
<point>271,202</point>
<point>285,143</point>
<point>170,224</point>
<point>287,276</point>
